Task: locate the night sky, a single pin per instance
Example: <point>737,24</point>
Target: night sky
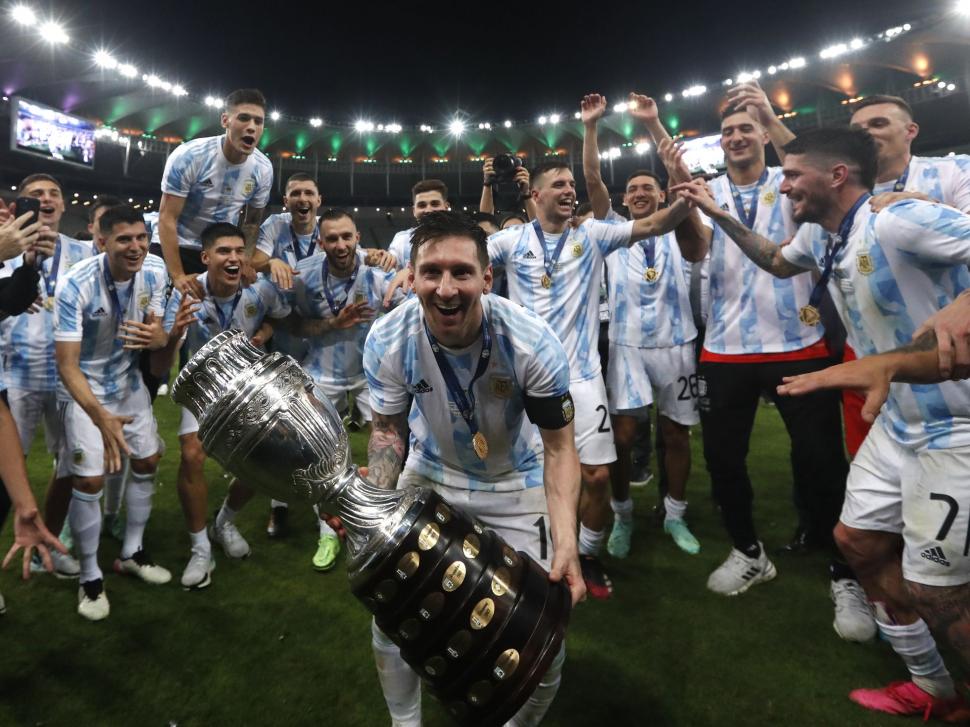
<point>378,60</point>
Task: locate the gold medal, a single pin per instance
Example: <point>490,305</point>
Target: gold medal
<point>809,315</point>
<point>651,275</point>
<point>49,304</point>
<point>577,250</point>
<point>480,445</point>
<point>546,281</point>
<point>864,263</point>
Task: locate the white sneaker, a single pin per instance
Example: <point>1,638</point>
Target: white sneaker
<point>65,566</point>
<point>141,566</point>
<point>197,573</point>
<point>854,618</point>
<point>228,536</point>
<point>3,605</point>
<point>92,603</point>
<point>739,572</point>
<point>163,390</point>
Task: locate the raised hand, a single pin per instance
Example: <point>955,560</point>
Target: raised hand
<point>592,107</point>
<point>750,97</point>
<point>642,107</point>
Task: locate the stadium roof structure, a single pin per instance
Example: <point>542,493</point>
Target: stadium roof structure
<point>141,116</point>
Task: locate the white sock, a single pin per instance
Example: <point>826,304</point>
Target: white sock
<point>84,514</point>
<point>623,509</point>
<point>676,509</point>
<point>278,503</point>
<point>915,645</point>
<point>138,503</point>
<point>532,712</point>
<point>325,529</point>
<point>226,515</point>
<point>590,541</point>
<point>114,489</point>
<point>401,686</point>
<point>200,542</point>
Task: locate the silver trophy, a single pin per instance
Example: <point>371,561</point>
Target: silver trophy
<point>477,620</point>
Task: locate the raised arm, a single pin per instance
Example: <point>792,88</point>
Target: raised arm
<point>486,204</point>
<point>693,236</point>
<point>385,448</point>
<point>645,109</point>
<point>660,222</point>
<point>765,253</point>
<point>751,96</point>
<point>592,107</point>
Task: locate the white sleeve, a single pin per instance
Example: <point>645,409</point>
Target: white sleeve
<point>931,232</point>
<point>799,251</point>
<point>609,236</point>
<point>388,392</point>
<point>265,241</point>
<point>179,174</point>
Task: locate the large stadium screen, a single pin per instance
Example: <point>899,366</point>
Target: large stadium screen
<point>703,154</point>
<point>47,132</point>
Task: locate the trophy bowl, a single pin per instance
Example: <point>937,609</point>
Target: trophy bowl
<point>477,620</point>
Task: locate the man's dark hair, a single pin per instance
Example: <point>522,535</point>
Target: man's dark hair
<point>644,173</point>
<point>103,200</point>
<point>478,217</point>
<point>301,177</point>
<point>730,110</point>
<point>445,223</point>
<point>121,214</point>
<point>851,146</point>
<point>246,96</point>
<point>584,209</point>
<point>39,177</point>
<point>547,166</point>
<point>429,185</point>
<point>335,213</point>
<point>220,229</point>
<point>520,216</point>
<point>881,99</point>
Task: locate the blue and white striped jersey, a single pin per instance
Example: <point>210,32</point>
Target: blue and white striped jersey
<point>84,312</point>
<point>897,269</point>
<point>151,224</point>
<point>214,190</point>
<point>571,305</point>
<point>336,357</point>
<point>276,239</point>
<point>750,310</point>
<point>647,314</point>
<point>945,179</point>
<point>260,300</point>
<point>400,247</point>
<point>526,360</point>
<point>28,339</point>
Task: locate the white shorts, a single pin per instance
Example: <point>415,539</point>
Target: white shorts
<point>188,424</point>
<point>923,495</point>
<point>28,408</point>
<point>521,517</point>
<point>84,445</point>
<point>594,435</point>
<point>634,374</point>
<point>339,396</point>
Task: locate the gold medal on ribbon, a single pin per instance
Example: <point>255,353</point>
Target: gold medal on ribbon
<point>651,275</point>
<point>864,263</point>
<point>809,315</point>
<point>480,445</point>
<point>546,281</point>
<point>577,250</point>
<point>49,304</point>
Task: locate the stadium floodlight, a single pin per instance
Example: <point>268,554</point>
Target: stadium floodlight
<point>165,86</point>
<point>668,97</point>
<point>694,91</point>
<point>105,60</point>
<point>833,51</point>
<point>456,127</point>
<point>961,6</point>
<point>941,84</point>
<point>54,33</point>
<point>507,124</point>
<point>360,126</point>
<point>856,43</point>
<point>796,63</point>
<point>23,15</point>
<point>542,120</point>
<point>316,122</point>
<point>772,70</point>
<point>613,153</point>
<point>642,148</point>
<point>554,118</point>
<point>179,90</point>
<point>274,115</point>
<point>211,101</point>
<point>619,108</point>
<point>127,70</point>
<point>951,87</point>
<point>577,115</point>
<point>152,80</point>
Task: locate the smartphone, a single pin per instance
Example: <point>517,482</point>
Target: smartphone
<point>28,204</point>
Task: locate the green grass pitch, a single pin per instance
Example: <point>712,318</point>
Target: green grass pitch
<point>271,642</point>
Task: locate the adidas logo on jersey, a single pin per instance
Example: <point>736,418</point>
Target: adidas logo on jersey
<point>936,555</point>
<point>529,255</point>
<point>99,313</point>
<point>422,387</point>
<point>207,183</point>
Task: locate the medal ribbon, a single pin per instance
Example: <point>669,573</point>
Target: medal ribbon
<point>550,262</point>
<point>900,184</point>
<point>113,291</point>
<point>649,250</point>
<point>50,281</point>
<point>334,308</point>
<point>833,248</point>
<point>224,320</point>
<point>465,401</point>
<point>297,249</point>
<point>748,217</point>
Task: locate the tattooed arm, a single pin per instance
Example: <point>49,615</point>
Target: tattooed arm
<point>385,449</point>
<point>765,253</point>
